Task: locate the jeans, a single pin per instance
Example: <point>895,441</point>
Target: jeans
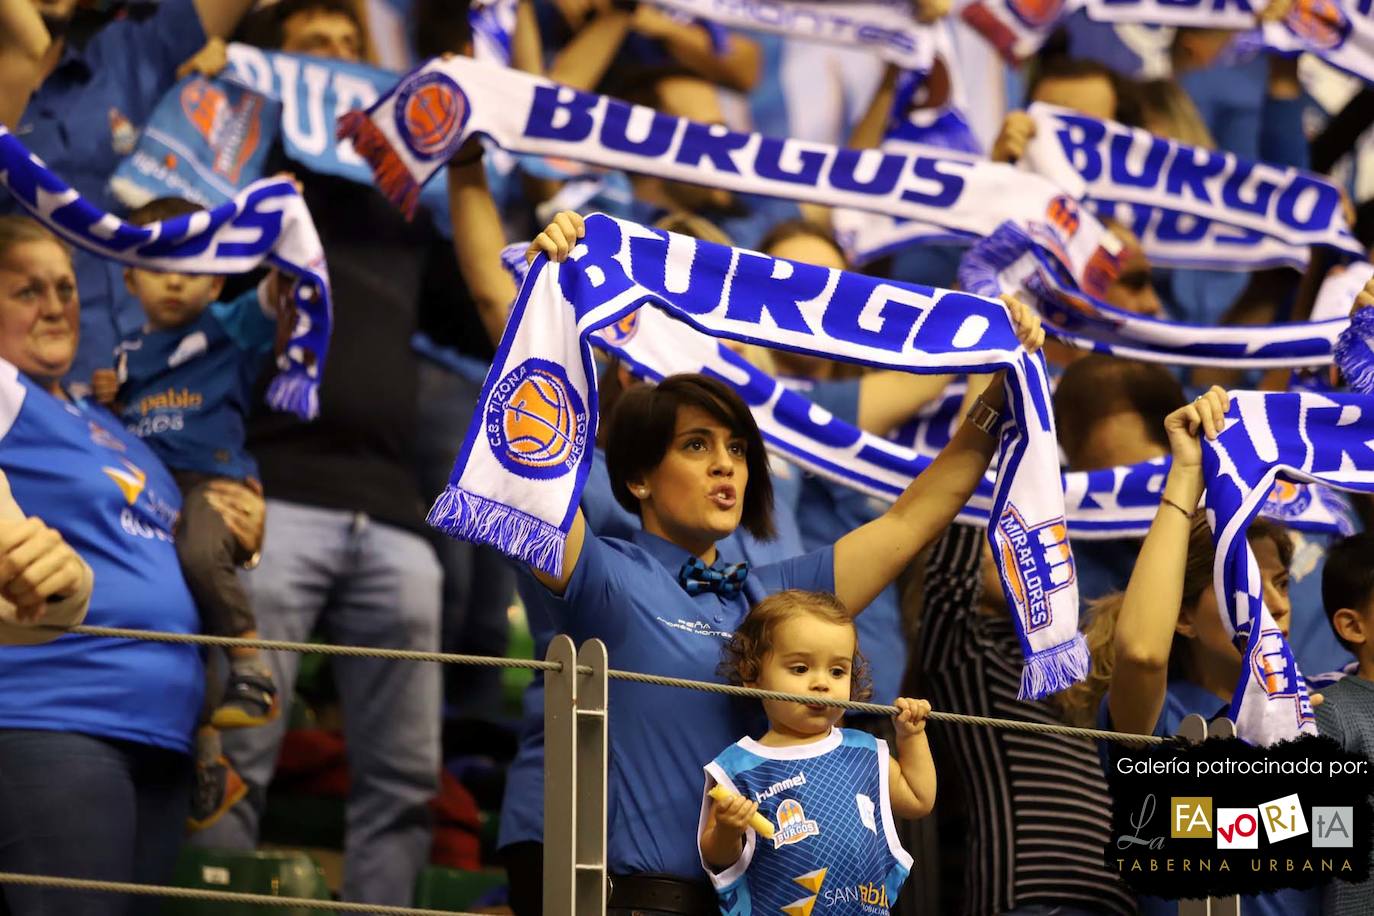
<point>479,583</point>
<point>210,557</point>
<point>365,584</point>
<point>84,807</point>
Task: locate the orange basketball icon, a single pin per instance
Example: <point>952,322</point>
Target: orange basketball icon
<point>431,111</point>
<point>539,421</point>
<point>1320,23</point>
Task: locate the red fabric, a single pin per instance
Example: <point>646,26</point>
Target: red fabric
<point>314,762</point>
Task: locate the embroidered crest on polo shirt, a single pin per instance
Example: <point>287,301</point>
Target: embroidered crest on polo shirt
<point>123,134</point>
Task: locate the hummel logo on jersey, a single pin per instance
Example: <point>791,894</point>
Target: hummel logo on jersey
<point>775,788</point>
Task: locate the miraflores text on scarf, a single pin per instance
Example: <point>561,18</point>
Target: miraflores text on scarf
<point>410,133</point>
<point>519,475</point>
<point>1107,503</point>
<point>1297,436</point>
<point>267,223</point>
<point>1341,32</point>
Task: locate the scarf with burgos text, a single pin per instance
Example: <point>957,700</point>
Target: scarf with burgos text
<point>1116,164</point>
<point>519,475</point>
<point>208,138</point>
<point>1295,436</point>
<point>409,135</point>
<point>1107,503</point>
<point>1012,260</point>
<point>266,224</point>
<point>1340,32</point>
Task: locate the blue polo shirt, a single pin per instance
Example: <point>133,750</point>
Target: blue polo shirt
<point>1182,699</point>
<point>826,512</point>
<point>522,806</point>
<point>74,466</point>
<point>82,121</point>
<point>186,391</point>
<point>626,593</point>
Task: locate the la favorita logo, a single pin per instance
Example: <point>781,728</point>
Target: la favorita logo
<point>1225,817</point>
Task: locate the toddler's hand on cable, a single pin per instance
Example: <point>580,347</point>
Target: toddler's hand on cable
<point>911,716</point>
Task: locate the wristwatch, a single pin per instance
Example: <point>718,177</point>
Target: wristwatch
<point>984,416</point>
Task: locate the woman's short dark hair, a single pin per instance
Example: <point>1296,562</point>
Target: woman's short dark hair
<point>1098,385</point>
<point>641,430</point>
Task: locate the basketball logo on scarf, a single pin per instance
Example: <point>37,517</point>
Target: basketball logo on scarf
<point>621,332</point>
<point>431,112</point>
<point>1272,667</point>
<point>1037,562</point>
<point>1320,23</point>
<point>233,132</point>
<point>535,422</point>
<point>1287,501</point>
<point>1036,13</point>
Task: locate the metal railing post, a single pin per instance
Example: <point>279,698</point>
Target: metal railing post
<point>591,751</point>
<point>560,778</point>
<point>575,748</point>
<point>1195,729</point>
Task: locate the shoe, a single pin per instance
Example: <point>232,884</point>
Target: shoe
<point>249,700</point>
<point>219,787</point>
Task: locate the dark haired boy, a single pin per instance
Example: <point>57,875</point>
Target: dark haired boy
<point>1347,715</point>
<point>183,383</point>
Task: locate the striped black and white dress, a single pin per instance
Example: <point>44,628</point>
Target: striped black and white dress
<point>1038,814</point>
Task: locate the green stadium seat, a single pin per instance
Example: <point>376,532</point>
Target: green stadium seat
<point>440,888</point>
<point>279,873</point>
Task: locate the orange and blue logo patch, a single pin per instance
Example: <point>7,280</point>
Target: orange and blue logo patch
<point>535,422</point>
<point>1287,500</point>
<point>1319,23</point>
<point>1037,563</point>
<point>793,825</point>
<point>431,112</point>
<point>232,131</point>
<point>1272,665</point>
<point>621,332</point>
<point>1036,13</point>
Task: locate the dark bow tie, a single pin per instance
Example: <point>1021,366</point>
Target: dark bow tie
<point>726,580</point>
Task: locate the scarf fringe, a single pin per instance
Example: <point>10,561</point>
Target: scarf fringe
<point>1055,669</point>
<point>294,392</point>
<point>1355,352</point>
<point>392,177</point>
<point>465,515</point>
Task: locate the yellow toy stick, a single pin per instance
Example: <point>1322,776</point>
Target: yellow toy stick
<point>762,826</point>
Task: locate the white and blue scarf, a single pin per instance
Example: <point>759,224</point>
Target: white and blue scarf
<point>409,135</point>
<point>1341,32</point>
<point>1012,261</point>
<point>517,480</point>
<point>883,27</point>
<point>1111,162</point>
<point>207,139</point>
<point>1295,436</point>
<point>267,223</point>
<point>1109,503</point>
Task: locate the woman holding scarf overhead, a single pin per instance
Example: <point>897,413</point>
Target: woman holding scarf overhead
<point>1161,646</point>
<point>688,459</point>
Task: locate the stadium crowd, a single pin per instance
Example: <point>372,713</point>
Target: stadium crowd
<point>146,483</point>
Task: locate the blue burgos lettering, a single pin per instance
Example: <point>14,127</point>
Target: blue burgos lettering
<point>655,143</point>
<point>1120,157</point>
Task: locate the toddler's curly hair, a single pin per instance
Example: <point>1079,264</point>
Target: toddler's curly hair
<point>743,655</point>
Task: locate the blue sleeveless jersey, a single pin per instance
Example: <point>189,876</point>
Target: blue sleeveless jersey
<point>835,849</point>
<point>186,391</point>
<point>76,468</point>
